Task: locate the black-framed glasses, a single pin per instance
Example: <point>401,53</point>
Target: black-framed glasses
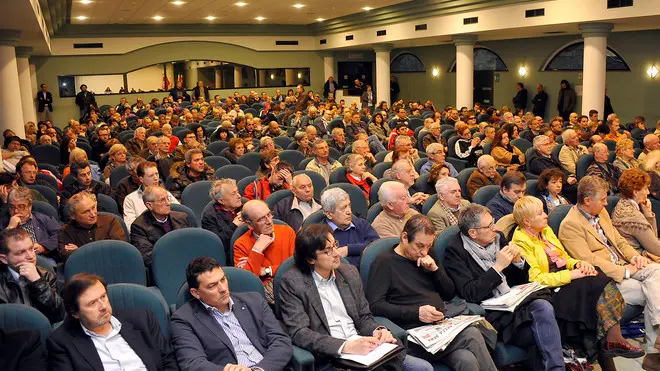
<point>331,250</point>
<point>490,226</point>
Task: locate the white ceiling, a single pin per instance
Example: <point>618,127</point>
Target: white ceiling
<point>194,11</point>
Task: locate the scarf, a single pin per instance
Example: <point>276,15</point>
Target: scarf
<point>485,257</point>
<point>450,213</point>
<point>550,250</point>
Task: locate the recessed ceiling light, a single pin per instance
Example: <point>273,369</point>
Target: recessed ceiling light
<point>240,3</point>
<point>178,2</point>
<point>85,2</point>
<point>367,8</point>
<point>260,18</point>
<point>320,19</point>
<point>298,6</point>
<point>81,17</point>
<point>157,18</point>
<point>210,18</point>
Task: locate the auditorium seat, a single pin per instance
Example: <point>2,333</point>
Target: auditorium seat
<point>233,171</point>
<point>216,162</point>
<point>117,175</point>
<point>196,196</point>
<point>48,193</point>
<point>132,296</point>
<point>358,200</point>
<point>114,261</point>
<point>292,157</point>
<point>250,160</point>
<point>19,316</point>
<point>192,218</point>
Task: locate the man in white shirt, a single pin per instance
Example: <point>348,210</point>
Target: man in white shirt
<point>147,172</point>
<point>95,338</point>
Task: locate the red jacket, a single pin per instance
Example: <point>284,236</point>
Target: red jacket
<point>260,189</point>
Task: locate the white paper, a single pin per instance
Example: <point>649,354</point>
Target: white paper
<point>371,357</point>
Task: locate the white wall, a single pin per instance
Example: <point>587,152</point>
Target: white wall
<point>146,79</point>
<point>99,83</point>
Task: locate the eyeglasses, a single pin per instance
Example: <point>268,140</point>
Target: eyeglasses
<point>265,218</point>
<point>490,226</point>
<point>18,207</point>
<point>330,251</point>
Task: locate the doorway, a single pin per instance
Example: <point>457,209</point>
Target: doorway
<point>484,85</point>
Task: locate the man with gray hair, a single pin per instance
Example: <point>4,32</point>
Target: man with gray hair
<point>192,170</point>
<point>486,174</point>
<point>223,215</point>
<point>588,234</point>
<point>395,200</point>
<point>134,206</point>
<point>151,149</point>
<point>352,234</point>
<point>294,209</point>
<point>603,169</point>
<point>402,171</point>
<point>322,163</point>
<point>404,141</point>
<point>541,158</point>
<point>651,143</point>
<point>433,136</point>
<point>436,155</point>
<point>571,151</point>
<point>156,221</point>
<point>444,213</point>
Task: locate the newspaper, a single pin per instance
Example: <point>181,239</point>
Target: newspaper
<point>436,338</point>
<point>509,301</point>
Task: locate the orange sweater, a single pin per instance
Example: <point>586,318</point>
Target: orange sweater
<point>281,249</point>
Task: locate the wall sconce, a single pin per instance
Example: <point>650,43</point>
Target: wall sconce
<point>435,72</point>
<point>653,71</point>
<point>299,75</point>
<point>272,76</point>
<point>522,71</point>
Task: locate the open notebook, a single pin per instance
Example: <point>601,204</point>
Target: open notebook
<point>372,357</point>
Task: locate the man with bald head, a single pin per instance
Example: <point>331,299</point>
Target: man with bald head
<point>322,123</point>
<point>433,136</point>
<point>571,151</point>
<point>651,143</point>
<point>311,133</point>
<point>361,147</point>
<point>486,174</point>
<point>604,169</point>
<point>294,209</point>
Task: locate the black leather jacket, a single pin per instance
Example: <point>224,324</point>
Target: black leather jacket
<point>43,293</point>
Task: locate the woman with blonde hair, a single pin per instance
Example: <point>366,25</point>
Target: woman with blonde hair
<point>589,306</point>
<point>116,158</point>
<point>625,155</point>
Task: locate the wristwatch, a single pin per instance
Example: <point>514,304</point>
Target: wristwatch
<point>626,275</point>
<point>269,271</point>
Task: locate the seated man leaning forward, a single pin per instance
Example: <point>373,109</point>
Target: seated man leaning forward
<point>250,336</point>
<point>340,322</point>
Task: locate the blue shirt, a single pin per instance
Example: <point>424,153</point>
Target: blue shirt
<point>356,236</point>
<point>426,168</point>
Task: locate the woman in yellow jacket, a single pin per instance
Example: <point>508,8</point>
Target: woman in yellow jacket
<point>505,154</point>
<point>588,305</point>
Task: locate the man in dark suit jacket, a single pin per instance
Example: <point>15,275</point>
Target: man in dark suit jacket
<point>200,328</point>
<point>323,306</point>
<point>179,93</point>
<point>126,338</point>
<point>84,100</point>
<point>44,104</point>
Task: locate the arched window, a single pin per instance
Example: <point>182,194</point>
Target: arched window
<point>485,60</point>
<point>570,57</point>
<point>406,62</point>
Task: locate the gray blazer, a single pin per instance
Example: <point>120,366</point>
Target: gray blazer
<point>201,344</point>
<point>303,315</point>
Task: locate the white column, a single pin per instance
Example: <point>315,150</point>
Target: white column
<point>464,70</point>
<point>329,65</point>
<point>290,77</point>
<point>238,77</point>
<point>27,99</point>
<point>594,71</point>
<point>33,80</point>
<point>382,87</point>
<point>218,78</point>
<point>11,116</point>
<point>262,78</point>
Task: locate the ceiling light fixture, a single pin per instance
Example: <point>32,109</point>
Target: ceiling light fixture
<point>157,18</point>
<point>85,2</point>
<point>81,17</point>
<point>435,72</point>
<point>320,19</point>
<point>240,3</point>
<point>210,18</point>
<point>260,18</point>
<point>522,71</point>
<point>367,8</point>
<point>178,2</point>
<point>298,6</point>
<point>653,71</point>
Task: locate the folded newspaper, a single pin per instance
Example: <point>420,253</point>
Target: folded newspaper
<point>509,301</point>
<point>436,338</point>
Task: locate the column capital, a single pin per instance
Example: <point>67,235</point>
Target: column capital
<point>595,29</point>
<point>9,37</point>
<point>24,51</point>
<point>464,39</point>
<point>383,47</point>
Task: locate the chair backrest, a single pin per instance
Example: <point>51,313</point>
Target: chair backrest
<point>117,175</point>
<point>115,261</point>
<point>291,157</point>
<point>374,210</point>
<point>107,204</point>
<point>132,296</point>
<point>451,145</point>
<point>50,167</point>
<point>462,178</point>
<point>49,179</point>
<point>556,149</point>
<point>318,181</point>
<point>45,208</point>
<point>422,185</point>
<point>487,147</point>
<point>358,200</point>
<point>240,280</point>
<point>583,163</point>
<point>250,160</point>
<point>196,196</point>
<point>373,192</point>
<point>303,164</point>
<point>48,193</point>
<point>485,194</point>
<point>243,183</point>
<point>216,162</point>
<point>522,144</point>
<point>556,216</point>
<point>192,218</point>
<point>380,156</point>
<point>314,218</point>
<point>46,153</point>
<point>415,122</point>
<point>441,242</point>
<point>283,141</point>
<point>217,147</point>
<point>334,153</point>
<point>19,316</point>
<point>419,163</point>
<point>338,175</point>
<point>173,252</point>
<point>533,188</point>
<point>655,207</point>
<point>232,171</point>
<point>612,201</point>
<point>277,196</point>
<point>68,180</point>
<point>611,145</point>
<point>448,134</point>
<point>379,170</point>
<point>372,251</point>
<point>428,204</point>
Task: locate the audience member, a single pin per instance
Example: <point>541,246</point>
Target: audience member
<point>116,158</point>
<point>395,200</point>
<point>625,155</point>
<point>504,153</point>
<point>322,163</point>
<point>550,184</point>
<point>158,218</point>
<point>134,206</point>
<point>404,141</point>
<point>485,174</point>
<point>252,338</point>
<point>130,183</point>
<point>223,215</point>
<point>278,176</point>
<point>236,150</point>
<point>192,170</point>
<point>433,136</point>
<point>264,246</point>
<point>571,151</point>
<point>12,153</point>
<point>402,171</point>
<point>651,143</point>
<point>512,188</point>
<point>436,155</point>
<point>294,209</point>
<point>601,168</point>
<point>97,337</point>
<point>27,170</point>
<point>466,147</point>
<point>22,281</point>
<point>445,211</point>
<point>83,182</point>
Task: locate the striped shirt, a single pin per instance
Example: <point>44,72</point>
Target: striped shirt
<point>246,354</point>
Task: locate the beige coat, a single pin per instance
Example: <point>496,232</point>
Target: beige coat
<point>503,157</point>
<point>569,156</point>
